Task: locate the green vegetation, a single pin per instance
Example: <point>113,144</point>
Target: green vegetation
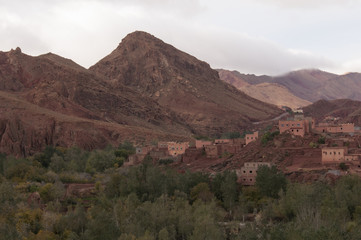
<point>268,136</point>
<point>313,145</point>
<point>157,202</point>
<point>321,140</point>
<point>343,166</point>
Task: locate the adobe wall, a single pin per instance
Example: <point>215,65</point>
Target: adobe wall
<point>202,144</point>
<point>213,151</point>
<point>251,137</point>
<point>333,154</point>
<point>330,128</point>
<point>296,127</point>
<point>222,141</point>
<point>176,149</point>
<point>248,173</point>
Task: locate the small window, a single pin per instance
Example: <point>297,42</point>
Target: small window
<point>287,125</point>
<point>244,179</point>
<point>244,171</point>
<point>282,125</point>
<point>339,153</point>
<point>297,130</point>
<point>250,171</point>
<point>298,125</point>
<point>250,179</point>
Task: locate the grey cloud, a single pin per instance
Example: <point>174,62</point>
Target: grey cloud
<point>309,3</point>
<point>248,54</point>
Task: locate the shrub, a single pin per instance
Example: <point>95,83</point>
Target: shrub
<point>321,140</point>
<point>343,166</point>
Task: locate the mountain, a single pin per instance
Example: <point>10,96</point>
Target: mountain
<point>262,89</point>
<point>145,90</point>
<point>348,110</point>
<point>67,97</point>
<point>26,128</point>
<point>181,83</point>
<point>306,84</point>
<point>276,94</point>
<point>309,84</point>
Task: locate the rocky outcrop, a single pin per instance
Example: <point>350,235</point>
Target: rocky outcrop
<point>181,83</point>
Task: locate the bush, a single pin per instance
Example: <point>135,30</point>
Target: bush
<point>165,161</point>
<point>268,136</point>
<point>270,181</point>
<point>343,166</point>
<point>321,140</point>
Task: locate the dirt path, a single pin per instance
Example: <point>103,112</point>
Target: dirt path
<point>273,119</point>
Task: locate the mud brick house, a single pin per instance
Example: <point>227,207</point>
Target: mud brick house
<point>251,137</point>
<point>143,150</point>
<point>248,173</point>
<point>335,128</point>
<point>222,141</point>
<point>202,144</point>
<point>213,151</point>
<point>174,148</point>
<point>298,126</point>
<point>337,155</point>
<point>222,146</point>
<point>140,153</point>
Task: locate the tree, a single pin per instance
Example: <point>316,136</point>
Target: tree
<point>201,191</point>
<point>50,192</point>
<point>99,160</point>
<point>76,158</point>
<point>57,163</point>
<point>229,190</point>
<point>270,181</point>
<point>206,222</point>
<point>101,226</point>
<point>163,234</point>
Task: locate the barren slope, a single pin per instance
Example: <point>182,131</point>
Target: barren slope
<point>347,110</point>
<point>26,128</point>
<point>181,83</point>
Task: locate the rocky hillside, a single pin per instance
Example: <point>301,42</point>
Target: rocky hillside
<point>347,110</point>
<point>181,83</point>
<point>49,100</point>
<point>310,85</point>
<point>263,89</point>
<point>145,90</point>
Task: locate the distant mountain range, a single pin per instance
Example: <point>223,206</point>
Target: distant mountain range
<point>144,90</point>
<point>298,88</point>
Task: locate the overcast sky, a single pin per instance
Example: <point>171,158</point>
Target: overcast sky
<point>251,36</point>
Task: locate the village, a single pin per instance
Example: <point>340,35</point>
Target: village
<point>340,154</point>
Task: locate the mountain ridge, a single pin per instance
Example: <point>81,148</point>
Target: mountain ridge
<point>308,84</point>
<point>173,96</point>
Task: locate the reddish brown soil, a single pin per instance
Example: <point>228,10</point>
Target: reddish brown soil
<point>145,90</point>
